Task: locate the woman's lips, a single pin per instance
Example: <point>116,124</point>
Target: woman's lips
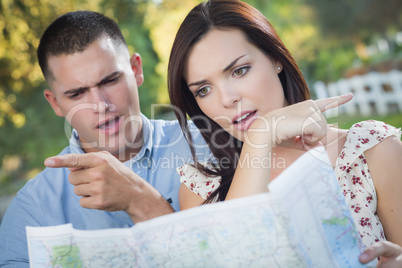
<point>244,121</point>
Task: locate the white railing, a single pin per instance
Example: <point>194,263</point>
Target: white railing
<point>374,93</point>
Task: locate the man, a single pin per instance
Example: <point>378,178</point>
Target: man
<point>94,85</point>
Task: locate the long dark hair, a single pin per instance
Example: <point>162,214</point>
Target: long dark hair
<point>225,14</point>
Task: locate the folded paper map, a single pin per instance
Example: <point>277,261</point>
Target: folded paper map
<point>303,221</point>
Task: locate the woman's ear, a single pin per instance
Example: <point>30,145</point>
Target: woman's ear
<point>278,66</point>
<point>51,99</point>
<point>136,66</point>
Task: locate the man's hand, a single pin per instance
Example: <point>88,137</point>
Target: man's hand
<point>106,184</point>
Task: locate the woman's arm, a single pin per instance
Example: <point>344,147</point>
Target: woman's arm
<point>282,127</point>
<point>188,199</point>
<point>390,254</point>
<point>252,175</point>
<point>385,163</point>
<point>297,126</point>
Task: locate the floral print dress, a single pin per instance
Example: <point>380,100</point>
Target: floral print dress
<point>355,179</point>
<point>351,170</point>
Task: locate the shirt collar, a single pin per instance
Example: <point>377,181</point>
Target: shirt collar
<point>75,144</point>
<point>147,134</point>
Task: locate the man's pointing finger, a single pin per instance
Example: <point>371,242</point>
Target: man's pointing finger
<point>70,161</point>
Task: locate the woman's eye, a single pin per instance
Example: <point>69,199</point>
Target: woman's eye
<point>241,71</point>
<point>202,92</point>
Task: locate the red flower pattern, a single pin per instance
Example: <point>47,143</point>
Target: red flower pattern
<point>353,176</point>
<point>355,179</point>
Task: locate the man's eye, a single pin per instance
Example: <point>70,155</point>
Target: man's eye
<point>112,80</point>
<point>76,94</point>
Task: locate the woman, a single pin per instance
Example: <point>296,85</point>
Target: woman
<point>232,75</point>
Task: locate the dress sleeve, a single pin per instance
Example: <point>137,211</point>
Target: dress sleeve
<point>363,136</point>
<point>197,182</point>
<point>355,179</point>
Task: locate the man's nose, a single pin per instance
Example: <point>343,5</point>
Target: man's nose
<point>100,100</point>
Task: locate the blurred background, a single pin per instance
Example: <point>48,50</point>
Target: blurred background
<point>340,46</point>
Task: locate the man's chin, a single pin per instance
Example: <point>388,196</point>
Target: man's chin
<point>118,147</point>
<point>94,147</point>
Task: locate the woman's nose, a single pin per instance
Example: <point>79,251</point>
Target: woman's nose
<point>230,97</point>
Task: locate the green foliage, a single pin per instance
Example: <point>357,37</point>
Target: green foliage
<point>130,16</point>
<point>346,29</point>
<point>26,121</point>
<point>325,37</point>
<point>28,127</point>
<point>357,19</point>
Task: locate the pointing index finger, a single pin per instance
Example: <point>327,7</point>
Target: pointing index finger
<point>329,103</point>
<point>70,161</point>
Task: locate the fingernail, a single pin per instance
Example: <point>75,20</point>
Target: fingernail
<point>364,257</point>
<point>49,162</point>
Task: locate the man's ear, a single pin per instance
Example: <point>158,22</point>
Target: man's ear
<point>51,99</point>
<point>136,66</point>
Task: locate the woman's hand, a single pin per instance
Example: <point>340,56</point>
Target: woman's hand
<point>297,126</point>
<point>294,126</point>
<point>390,254</point>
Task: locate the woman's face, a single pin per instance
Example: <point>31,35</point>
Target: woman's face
<point>232,80</point>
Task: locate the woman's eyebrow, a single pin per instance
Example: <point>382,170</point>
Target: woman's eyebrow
<point>224,70</point>
<point>197,83</point>
<point>232,63</point>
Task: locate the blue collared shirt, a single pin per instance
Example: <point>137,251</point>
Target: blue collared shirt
<point>49,198</point>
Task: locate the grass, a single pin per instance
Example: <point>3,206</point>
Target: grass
<point>345,121</point>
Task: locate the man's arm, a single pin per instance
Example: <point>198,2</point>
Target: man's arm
<point>13,242</point>
<point>106,184</point>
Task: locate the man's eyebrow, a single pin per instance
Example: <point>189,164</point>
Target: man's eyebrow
<point>74,90</point>
<point>103,81</point>
<point>224,70</point>
<point>108,77</point>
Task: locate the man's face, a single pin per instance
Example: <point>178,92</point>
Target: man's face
<point>97,92</point>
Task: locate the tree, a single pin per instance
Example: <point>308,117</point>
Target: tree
<point>357,19</point>
<point>28,127</point>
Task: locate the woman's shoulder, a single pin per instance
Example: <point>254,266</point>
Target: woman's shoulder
<point>198,182</point>
<point>375,129</point>
<point>363,136</point>
<point>384,163</point>
<point>366,134</point>
<point>388,150</point>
